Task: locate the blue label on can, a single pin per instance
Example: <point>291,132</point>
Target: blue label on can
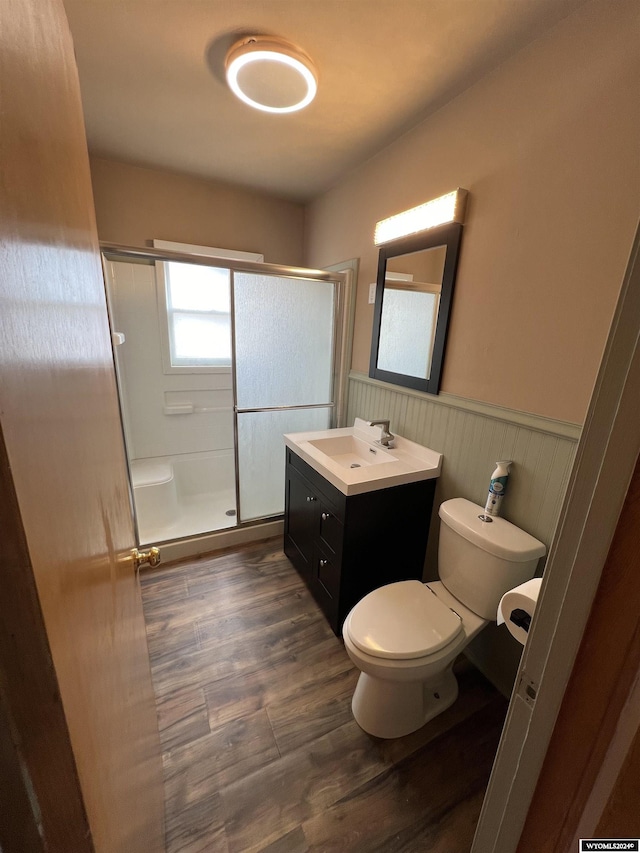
<point>499,485</point>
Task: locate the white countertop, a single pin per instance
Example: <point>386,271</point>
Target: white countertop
<point>408,462</point>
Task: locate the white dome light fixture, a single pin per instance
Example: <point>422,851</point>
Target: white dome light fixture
<point>271,74</point>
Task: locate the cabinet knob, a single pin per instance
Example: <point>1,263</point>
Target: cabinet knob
<point>312,498</point>
<point>323,563</point>
<point>326,515</point>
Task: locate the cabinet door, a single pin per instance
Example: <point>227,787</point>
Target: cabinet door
<point>326,572</point>
<point>331,532</point>
<point>302,516</point>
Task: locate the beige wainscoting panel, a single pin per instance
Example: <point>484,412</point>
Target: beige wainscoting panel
<point>472,436</point>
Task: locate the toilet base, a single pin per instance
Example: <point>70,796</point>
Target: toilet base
<point>391,709</point>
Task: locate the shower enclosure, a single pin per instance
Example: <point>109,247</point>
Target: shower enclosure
<point>216,360</point>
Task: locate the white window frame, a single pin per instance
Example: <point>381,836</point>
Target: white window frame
<point>168,367</point>
<point>163,313</point>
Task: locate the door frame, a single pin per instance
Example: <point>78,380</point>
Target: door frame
<point>605,460</point>
<point>347,313</point>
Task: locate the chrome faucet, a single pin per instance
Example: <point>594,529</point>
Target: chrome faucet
<point>387,436</point>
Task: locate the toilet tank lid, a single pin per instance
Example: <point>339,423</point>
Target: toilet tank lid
<point>499,537</point>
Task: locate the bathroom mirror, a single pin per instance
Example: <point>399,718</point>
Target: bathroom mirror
<point>414,290</point>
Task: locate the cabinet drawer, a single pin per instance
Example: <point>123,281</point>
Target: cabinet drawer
<point>329,494</point>
<point>331,530</point>
<point>327,572</point>
<point>326,585</point>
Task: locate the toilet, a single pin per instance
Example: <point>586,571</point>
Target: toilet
<point>405,637</point>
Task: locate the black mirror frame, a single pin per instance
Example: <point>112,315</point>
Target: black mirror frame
<point>448,235</point>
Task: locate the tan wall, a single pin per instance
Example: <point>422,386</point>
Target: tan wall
<point>135,205</point>
<point>548,147</point>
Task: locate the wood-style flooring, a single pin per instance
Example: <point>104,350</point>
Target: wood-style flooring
<point>260,750</point>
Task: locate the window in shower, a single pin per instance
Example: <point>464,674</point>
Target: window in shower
<point>195,316</point>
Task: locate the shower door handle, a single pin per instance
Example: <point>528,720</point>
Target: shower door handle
<point>146,558</point>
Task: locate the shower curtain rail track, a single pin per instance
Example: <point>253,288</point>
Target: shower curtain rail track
<point>222,263</point>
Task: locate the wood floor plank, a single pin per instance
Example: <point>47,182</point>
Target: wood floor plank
<point>183,717</point>
<point>241,585</point>
<point>271,642</point>
<point>172,614</point>
<point>292,842</point>
<point>171,644</point>
<point>153,580</point>
<point>181,614</point>
<point>249,691</point>
<point>218,759</point>
<point>260,610</point>
<point>314,709</point>
<point>195,826</point>
<point>256,567</point>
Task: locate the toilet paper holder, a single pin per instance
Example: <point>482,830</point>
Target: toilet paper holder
<point>517,607</point>
<point>520,618</point>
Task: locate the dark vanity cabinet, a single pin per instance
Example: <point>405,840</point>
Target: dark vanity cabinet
<point>345,546</point>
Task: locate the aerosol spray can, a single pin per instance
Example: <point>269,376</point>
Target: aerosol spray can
<point>497,489</point>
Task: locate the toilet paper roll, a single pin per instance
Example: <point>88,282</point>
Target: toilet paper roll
<point>522,598</point>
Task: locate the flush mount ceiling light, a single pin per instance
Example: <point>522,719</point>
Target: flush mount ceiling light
<point>438,211</point>
<point>271,74</point>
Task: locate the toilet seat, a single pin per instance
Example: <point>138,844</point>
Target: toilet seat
<point>402,621</point>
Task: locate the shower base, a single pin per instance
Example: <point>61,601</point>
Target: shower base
<point>194,514</point>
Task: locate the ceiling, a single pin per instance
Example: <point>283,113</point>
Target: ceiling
<point>152,78</point>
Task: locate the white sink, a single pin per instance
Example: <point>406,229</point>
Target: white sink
<point>351,451</point>
<point>353,460</point>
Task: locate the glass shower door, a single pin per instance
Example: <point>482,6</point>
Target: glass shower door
<point>284,334</point>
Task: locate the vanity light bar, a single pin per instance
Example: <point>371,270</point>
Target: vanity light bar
<point>438,211</point>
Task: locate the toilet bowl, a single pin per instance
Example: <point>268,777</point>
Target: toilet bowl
<point>405,637</point>
<point>399,691</point>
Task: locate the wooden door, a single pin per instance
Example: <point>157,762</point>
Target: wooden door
<point>76,699</point>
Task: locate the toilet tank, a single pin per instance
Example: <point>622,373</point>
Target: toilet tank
<point>479,561</point>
